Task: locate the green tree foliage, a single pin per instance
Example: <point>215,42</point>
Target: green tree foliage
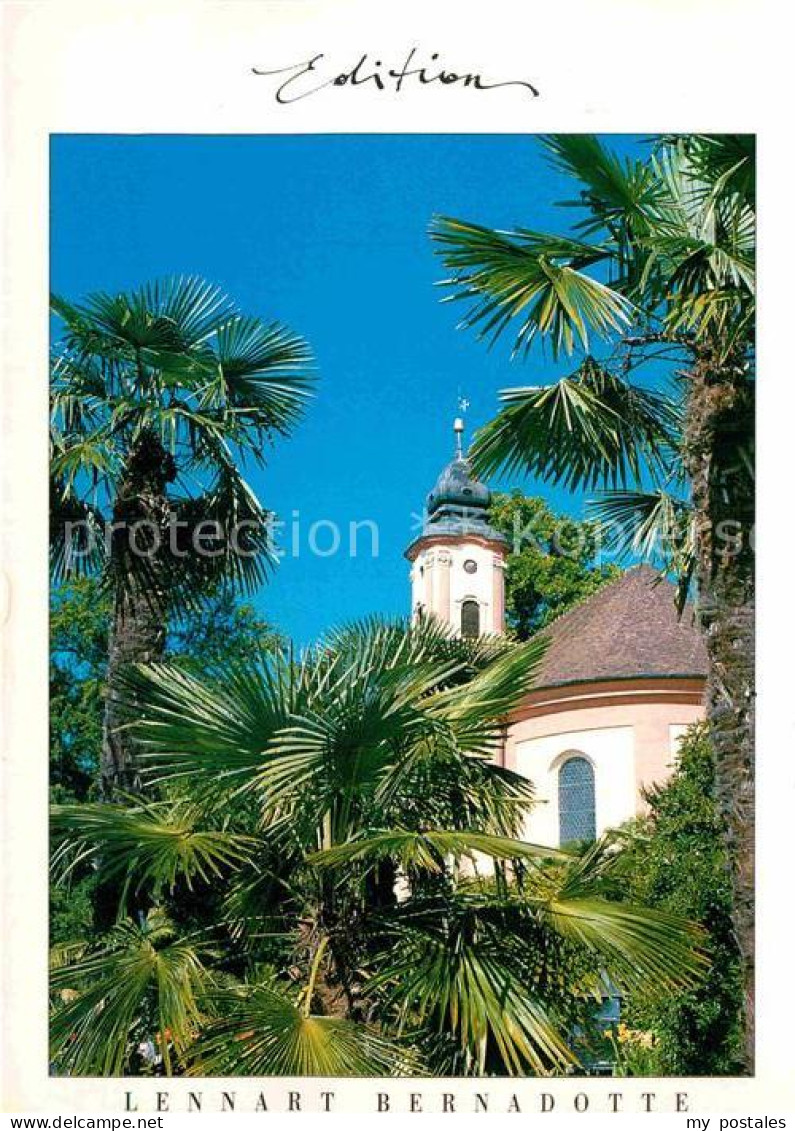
<point>307,893</point>
<point>677,862</point>
<point>159,397</point>
<point>651,272</point>
<point>222,630</point>
<point>79,624</point>
<point>554,562</point>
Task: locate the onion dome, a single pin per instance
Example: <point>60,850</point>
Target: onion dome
<point>457,489</point>
<point>459,503</point>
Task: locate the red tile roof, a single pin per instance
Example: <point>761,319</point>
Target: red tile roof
<point>628,628</point>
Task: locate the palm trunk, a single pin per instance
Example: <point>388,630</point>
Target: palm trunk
<point>138,629</point>
<point>719,428</point>
<point>137,635</point>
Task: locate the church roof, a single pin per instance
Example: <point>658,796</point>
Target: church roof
<point>628,628</point>
<point>458,487</point>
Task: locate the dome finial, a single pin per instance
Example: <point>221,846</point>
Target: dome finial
<point>458,426</point>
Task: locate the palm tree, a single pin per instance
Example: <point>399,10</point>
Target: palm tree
<point>138,973</point>
<point>660,266</point>
<point>157,395</point>
<point>335,835</point>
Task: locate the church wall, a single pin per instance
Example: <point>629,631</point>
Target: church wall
<point>628,730</point>
<point>610,750</point>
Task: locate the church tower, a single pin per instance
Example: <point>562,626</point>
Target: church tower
<point>458,561</point>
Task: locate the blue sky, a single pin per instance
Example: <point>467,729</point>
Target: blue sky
<point>328,234</point>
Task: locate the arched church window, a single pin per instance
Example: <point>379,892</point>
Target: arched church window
<point>576,801</point>
<point>470,618</point>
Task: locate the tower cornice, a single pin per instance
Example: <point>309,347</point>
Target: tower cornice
<point>427,541</point>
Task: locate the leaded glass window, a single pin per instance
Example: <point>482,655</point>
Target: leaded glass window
<point>576,801</point>
<point>470,618</point>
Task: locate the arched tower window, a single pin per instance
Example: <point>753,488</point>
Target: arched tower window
<point>576,800</point>
<point>470,618</point>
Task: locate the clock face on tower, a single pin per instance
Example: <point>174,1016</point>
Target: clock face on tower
<point>470,566</point>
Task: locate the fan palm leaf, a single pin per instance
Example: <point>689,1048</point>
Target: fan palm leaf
<point>590,428</point>
<point>430,849</point>
<point>348,722</point>
<point>214,732</point>
<point>77,537</point>
<point>143,975</point>
<point>441,971</point>
<point>516,275</point>
<point>654,525</point>
<point>258,1031</point>
<point>263,372</point>
<point>176,360</point>
<point>577,898</point>
<point>154,844</point>
<point>617,193</point>
<point>482,958</point>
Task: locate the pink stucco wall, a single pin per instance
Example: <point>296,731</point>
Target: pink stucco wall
<point>650,706</point>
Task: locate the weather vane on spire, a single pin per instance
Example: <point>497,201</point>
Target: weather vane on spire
<point>458,425</point>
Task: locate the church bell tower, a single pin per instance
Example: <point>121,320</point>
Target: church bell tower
<point>458,561</point>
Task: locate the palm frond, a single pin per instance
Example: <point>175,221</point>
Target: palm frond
<point>651,524</point>
<point>154,844</point>
<point>636,947</point>
<point>258,1031</point>
<point>654,525</point>
<point>618,193</point>
<point>361,721</point>
<point>170,316</point>
<point>507,276</point>
<point>430,849</point>
<point>587,429</point>
<point>701,249</point>
<point>174,363</point>
<point>476,710</point>
<point>224,535</point>
<point>452,977</point>
<point>725,161</point>
<point>342,755</point>
<point>77,534</point>
<point>263,373</point>
<point>215,732</point>
<point>144,978</point>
